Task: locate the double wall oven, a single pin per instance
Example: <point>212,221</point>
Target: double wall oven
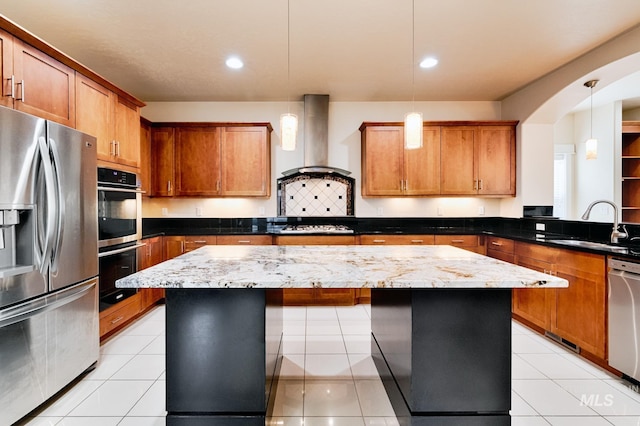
<point>119,231</point>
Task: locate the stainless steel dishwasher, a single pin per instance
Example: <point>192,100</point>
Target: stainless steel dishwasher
<point>624,317</point>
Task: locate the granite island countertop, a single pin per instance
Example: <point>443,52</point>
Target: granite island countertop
<point>336,267</point>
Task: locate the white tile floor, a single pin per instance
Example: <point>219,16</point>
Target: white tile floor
<point>328,378</point>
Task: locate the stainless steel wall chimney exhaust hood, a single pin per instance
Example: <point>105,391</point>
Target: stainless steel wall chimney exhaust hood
<point>316,137</point>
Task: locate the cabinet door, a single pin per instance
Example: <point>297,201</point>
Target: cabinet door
<point>172,247</point>
<point>245,156</point>
<point>458,165</point>
<point>382,161</point>
<point>422,166</point>
<point>6,70</point>
<point>533,304</point>
<point>94,114</point>
<point>162,161</point>
<point>495,158</point>
<point>44,86</point>
<point>151,253</point>
<point>580,314</point>
<point>197,154</point>
<point>127,133</point>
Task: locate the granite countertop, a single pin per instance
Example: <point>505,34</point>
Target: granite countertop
<point>336,267</point>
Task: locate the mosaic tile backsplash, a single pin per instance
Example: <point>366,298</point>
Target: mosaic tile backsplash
<point>316,196</point>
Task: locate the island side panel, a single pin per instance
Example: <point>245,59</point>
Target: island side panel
<point>220,361</point>
<point>447,353</point>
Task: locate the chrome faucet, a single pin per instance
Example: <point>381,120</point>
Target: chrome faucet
<point>615,233</point>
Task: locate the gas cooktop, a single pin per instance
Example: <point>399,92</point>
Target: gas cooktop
<point>316,229</point>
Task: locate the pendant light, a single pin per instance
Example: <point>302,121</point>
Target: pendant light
<point>413,120</point>
<point>288,121</point>
<point>592,143</point>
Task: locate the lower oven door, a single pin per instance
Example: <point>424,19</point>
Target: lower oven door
<point>116,262</point>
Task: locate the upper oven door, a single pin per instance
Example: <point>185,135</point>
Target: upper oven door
<point>119,215</point>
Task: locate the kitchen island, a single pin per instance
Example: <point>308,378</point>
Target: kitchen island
<point>441,327</point>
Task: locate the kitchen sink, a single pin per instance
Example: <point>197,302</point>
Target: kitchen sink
<point>592,245</point>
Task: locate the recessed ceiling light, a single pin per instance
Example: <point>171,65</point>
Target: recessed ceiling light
<point>234,62</point>
<point>428,62</point>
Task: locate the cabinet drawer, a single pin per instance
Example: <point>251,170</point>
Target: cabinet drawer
<point>194,242</point>
<point>500,244</point>
<point>120,314</point>
<point>457,240</point>
<point>252,240</point>
<point>396,239</point>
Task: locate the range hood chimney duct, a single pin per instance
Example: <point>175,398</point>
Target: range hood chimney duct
<point>316,137</point>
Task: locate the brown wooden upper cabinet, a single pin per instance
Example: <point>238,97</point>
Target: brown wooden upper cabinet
<point>211,159</point>
<point>478,160</point>
<point>35,83</point>
<point>391,170</point>
<point>111,119</point>
<point>457,158</point>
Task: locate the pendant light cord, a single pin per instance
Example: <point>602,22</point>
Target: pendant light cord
<point>413,55</point>
<point>591,119</point>
<point>288,57</point>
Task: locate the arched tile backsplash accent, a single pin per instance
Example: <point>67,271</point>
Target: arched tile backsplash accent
<point>315,195</point>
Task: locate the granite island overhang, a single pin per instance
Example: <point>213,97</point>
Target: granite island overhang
<point>440,319</point>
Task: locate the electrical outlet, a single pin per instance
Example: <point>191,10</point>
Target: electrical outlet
<point>440,211</point>
<point>198,211</point>
<point>541,227</point>
<point>165,211</point>
<point>380,211</point>
<point>261,211</point>
<point>481,210</point>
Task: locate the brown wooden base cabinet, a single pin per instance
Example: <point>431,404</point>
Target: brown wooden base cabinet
<point>318,296</point>
<point>576,314</point>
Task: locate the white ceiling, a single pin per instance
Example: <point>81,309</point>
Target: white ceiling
<point>353,50</point>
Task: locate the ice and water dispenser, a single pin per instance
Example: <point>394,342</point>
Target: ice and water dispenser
<point>17,238</point>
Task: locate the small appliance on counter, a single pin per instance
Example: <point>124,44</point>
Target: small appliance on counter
<point>119,231</point>
<point>48,260</point>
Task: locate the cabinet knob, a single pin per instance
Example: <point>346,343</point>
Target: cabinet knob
<point>169,187</point>
<point>417,241</point>
<point>495,243</point>
<point>457,241</point>
<point>378,241</point>
<point>244,242</point>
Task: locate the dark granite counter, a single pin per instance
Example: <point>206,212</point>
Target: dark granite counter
<point>523,229</point>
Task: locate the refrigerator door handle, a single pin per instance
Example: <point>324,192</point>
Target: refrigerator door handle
<point>51,203</point>
<point>48,303</point>
<point>60,211</point>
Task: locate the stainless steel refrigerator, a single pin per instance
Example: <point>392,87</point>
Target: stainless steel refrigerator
<point>48,260</point>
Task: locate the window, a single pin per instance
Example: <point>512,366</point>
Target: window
<point>562,180</point>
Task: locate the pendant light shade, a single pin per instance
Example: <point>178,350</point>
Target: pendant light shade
<point>413,120</point>
<point>289,131</point>
<point>288,121</point>
<point>592,149</point>
<point>592,143</point>
<point>413,130</point>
